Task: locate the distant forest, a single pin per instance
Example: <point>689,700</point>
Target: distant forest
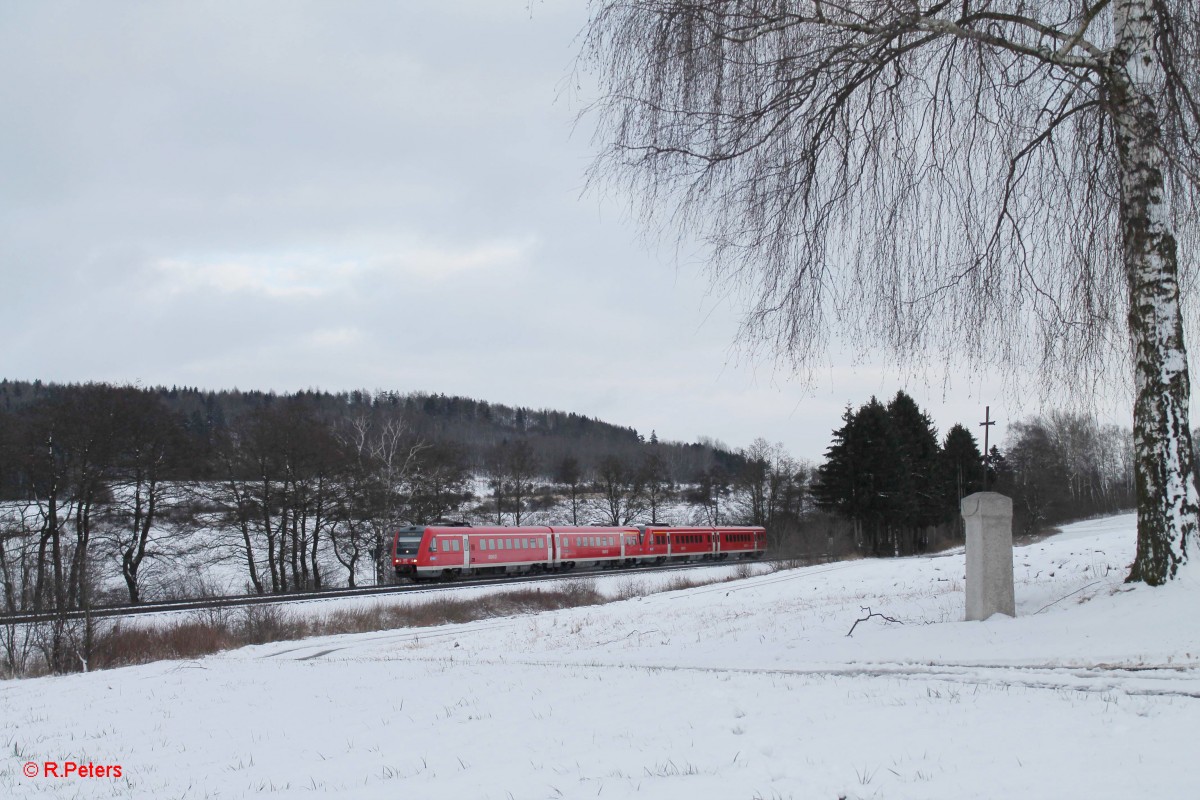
<point>206,418</point>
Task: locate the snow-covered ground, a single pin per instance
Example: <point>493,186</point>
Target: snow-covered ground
<point>749,689</point>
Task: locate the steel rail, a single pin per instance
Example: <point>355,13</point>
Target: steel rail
<point>238,601</point>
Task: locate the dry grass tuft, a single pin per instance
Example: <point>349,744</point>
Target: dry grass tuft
<point>260,624</point>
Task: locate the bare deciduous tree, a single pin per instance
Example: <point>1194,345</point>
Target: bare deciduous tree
<point>1001,180</point>
<point>620,492</point>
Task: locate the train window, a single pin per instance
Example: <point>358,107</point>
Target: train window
<point>433,545</point>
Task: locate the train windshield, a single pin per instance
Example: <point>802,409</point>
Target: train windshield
<point>407,544</point>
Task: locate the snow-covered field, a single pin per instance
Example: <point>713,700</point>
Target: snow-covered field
<point>749,689</point>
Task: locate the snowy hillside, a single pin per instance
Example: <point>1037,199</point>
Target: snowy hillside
<point>749,689</point>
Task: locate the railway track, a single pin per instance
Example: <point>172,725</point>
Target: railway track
<point>239,601</point>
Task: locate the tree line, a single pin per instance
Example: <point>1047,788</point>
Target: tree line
<point>899,486</point>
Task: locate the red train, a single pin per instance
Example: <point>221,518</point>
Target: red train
<point>424,552</point>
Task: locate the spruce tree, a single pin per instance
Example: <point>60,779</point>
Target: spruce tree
<point>916,505</point>
<point>961,472</point>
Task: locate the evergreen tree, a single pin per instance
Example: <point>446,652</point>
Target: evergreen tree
<point>962,470</point>
<point>916,503</point>
<point>863,477</point>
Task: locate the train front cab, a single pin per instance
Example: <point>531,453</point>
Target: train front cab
<point>406,550</point>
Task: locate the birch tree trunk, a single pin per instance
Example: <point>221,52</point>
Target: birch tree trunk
<point>1163,464</point>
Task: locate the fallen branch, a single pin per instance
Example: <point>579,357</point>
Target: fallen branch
<point>1064,597</point>
<point>870,614</point>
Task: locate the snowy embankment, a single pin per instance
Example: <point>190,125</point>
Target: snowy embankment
<point>610,584</point>
<point>749,689</point>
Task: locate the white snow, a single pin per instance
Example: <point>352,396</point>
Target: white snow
<point>748,689</point>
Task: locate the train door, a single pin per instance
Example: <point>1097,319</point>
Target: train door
<point>466,554</point>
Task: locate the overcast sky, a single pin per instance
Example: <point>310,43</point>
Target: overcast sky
<point>386,195</point>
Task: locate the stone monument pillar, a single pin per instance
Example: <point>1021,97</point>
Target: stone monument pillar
<point>988,516</point>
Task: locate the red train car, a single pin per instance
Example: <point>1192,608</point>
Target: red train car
<point>426,552</point>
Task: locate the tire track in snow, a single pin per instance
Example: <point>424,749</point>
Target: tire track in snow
<point>410,635</point>
<point>1140,680</point>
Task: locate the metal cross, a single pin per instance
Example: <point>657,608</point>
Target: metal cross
<point>987,423</point>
